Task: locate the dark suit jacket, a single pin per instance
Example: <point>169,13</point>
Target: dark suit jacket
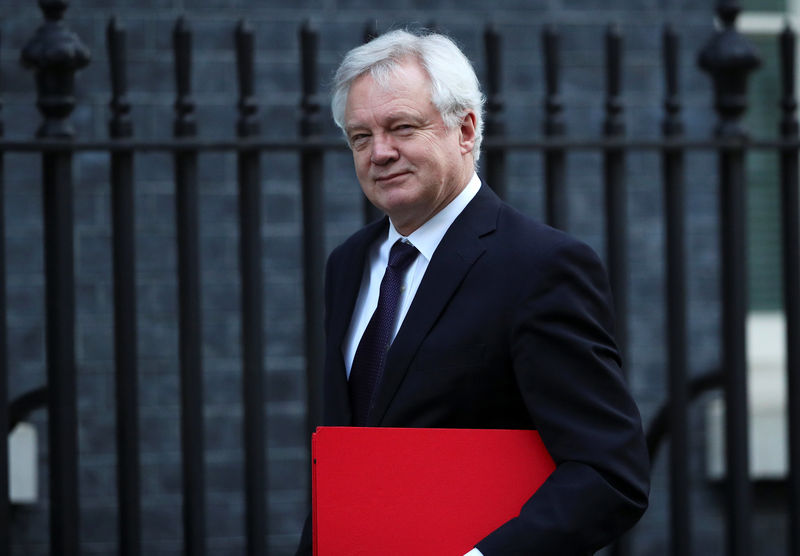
<point>511,328</point>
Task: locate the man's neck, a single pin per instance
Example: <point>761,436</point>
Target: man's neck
<point>408,227</point>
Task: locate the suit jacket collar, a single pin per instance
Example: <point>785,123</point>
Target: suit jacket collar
<point>352,266</point>
<point>459,249</point>
<point>341,301</point>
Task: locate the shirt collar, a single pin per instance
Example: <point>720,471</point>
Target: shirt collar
<point>426,238</point>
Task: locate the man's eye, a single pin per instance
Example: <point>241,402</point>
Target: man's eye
<point>358,139</point>
<point>403,128</point>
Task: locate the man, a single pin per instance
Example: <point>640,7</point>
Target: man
<point>494,321</point>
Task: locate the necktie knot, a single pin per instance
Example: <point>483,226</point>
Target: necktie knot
<point>401,255</point>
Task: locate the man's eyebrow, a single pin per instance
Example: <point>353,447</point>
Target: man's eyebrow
<point>390,119</point>
<point>349,126</point>
<point>404,115</point>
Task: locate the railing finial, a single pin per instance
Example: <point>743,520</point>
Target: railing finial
<point>120,124</point>
<point>311,104</point>
<point>672,124</point>
<point>495,125</point>
<point>185,124</point>
<point>248,124</point>
<point>53,9</point>
<point>553,103</point>
<point>728,11</point>
<point>614,123</point>
<point>56,53</point>
<point>728,57</point>
<point>788,58</point>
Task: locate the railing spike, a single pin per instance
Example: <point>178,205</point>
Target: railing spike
<point>248,123</point>
<point>185,123</point>
<point>116,37</point>
<point>495,124</point>
<point>554,128</point>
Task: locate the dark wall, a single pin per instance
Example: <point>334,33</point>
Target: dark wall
<point>340,23</point>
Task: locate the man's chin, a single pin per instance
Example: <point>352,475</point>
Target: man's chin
<point>393,201</point>
<point>397,206</point>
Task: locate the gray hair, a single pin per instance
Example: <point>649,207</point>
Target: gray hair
<point>455,90</point>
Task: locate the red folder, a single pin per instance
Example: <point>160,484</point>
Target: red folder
<point>385,491</point>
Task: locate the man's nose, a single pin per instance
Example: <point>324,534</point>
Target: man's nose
<point>383,150</point>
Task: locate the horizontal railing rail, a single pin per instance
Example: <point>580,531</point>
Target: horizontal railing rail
<point>338,144</point>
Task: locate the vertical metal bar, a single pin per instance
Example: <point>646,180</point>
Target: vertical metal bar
<point>790,219</point>
<point>495,125</point>
<point>371,212</point>
<point>729,58</point>
<point>734,312</point>
<point>190,332</point>
<point>249,172</point>
<point>62,409</point>
<point>615,189</point>
<point>55,53</point>
<point>122,206</point>
<point>311,176</point>
<point>5,515</point>
<point>616,205</point>
<point>554,128</point>
<point>674,199</point>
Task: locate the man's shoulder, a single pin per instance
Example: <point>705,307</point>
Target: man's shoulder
<point>531,246</point>
<point>533,233</point>
<point>510,220</point>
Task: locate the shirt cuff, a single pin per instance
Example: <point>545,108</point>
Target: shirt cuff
<point>474,552</point>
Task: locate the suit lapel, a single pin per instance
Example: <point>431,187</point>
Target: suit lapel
<point>460,247</point>
<point>351,267</point>
<point>342,296</point>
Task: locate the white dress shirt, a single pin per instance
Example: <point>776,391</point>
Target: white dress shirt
<point>426,239</point>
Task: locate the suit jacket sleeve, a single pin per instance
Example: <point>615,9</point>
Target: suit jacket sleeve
<point>568,370</point>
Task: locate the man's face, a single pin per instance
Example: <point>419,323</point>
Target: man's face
<point>408,163</point>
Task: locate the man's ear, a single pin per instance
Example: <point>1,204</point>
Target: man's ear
<point>467,133</point>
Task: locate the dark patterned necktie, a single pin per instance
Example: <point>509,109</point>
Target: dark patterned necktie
<point>370,357</point>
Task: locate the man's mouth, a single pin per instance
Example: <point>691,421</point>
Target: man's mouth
<point>390,177</point>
